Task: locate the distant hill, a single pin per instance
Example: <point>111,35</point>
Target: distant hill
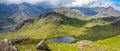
<point>99,11</point>
<point>24,11</point>
<point>68,12</point>
<point>21,11</point>
<point>86,11</point>
<point>7,10</point>
<point>109,11</point>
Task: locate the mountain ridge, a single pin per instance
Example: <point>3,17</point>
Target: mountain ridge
<point>109,11</point>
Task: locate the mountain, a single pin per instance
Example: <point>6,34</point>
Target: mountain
<point>109,11</point>
<point>86,11</point>
<point>7,10</point>
<point>16,13</point>
<point>21,11</point>
<point>26,11</point>
<point>28,24</point>
<point>99,11</point>
<point>62,22</point>
<point>68,12</point>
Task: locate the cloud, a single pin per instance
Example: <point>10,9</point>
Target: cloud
<point>81,3</point>
<point>44,2</point>
<point>65,3</point>
<point>107,4</point>
<point>20,1</point>
<point>54,2</point>
<point>103,4</point>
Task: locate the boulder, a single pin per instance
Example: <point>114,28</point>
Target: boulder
<point>42,46</point>
<point>85,44</point>
<point>6,45</point>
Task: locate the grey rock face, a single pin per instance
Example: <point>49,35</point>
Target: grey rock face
<point>6,45</point>
<point>85,44</point>
<point>42,46</point>
<point>25,22</point>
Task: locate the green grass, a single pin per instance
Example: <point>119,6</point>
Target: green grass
<point>110,44</point>
<point>27,47</point>
<point>49,27</point>
<point>111,41</point>
<point>52,46</point>
<point>62,46</point>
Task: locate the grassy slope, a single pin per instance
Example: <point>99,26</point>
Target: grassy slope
<point>114,40</point>
<point>53,47</point>
<point>45,28</point>
<point>111,44</point>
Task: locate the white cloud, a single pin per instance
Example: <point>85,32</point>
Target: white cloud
<point>65,3</point>
<point>81,3</point>
<point>117,8</point>
<point>56,3</point>
<point>103,4</point>
<point>107,4</point>
<point>20,1</point>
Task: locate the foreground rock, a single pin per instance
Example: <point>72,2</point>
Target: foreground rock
<point>6,45</point>
<point>85,44</point>
<point>42,46</point>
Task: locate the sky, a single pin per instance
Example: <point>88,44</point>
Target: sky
<point>68,3</point>
<point>115,1</point>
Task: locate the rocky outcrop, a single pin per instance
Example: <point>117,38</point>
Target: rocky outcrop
<point>109,11</point>
<point>25,22</point>
<point>19,39</point>
<point>6,45</point>
<point>42,46</point>
<point>85,44</point>
<point>116,23</point>
<point>67,11</point>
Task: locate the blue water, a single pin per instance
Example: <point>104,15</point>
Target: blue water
<point>63,39</point>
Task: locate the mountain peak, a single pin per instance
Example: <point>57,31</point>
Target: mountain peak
<point>109,11</point>
<point>110,7</point>
<point>73,12</point>
<point>25,3</point>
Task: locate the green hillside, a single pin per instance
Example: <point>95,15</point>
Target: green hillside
<point>54,24</point>
<point>111,44</point>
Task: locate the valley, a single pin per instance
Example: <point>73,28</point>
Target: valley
<point>60,29</point>
<point>54,24</point>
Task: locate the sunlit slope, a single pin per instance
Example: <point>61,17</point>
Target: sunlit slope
<point>50,25</point>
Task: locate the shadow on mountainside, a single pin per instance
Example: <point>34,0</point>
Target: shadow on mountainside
<point>99,32</point>
<point>64,19</point>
